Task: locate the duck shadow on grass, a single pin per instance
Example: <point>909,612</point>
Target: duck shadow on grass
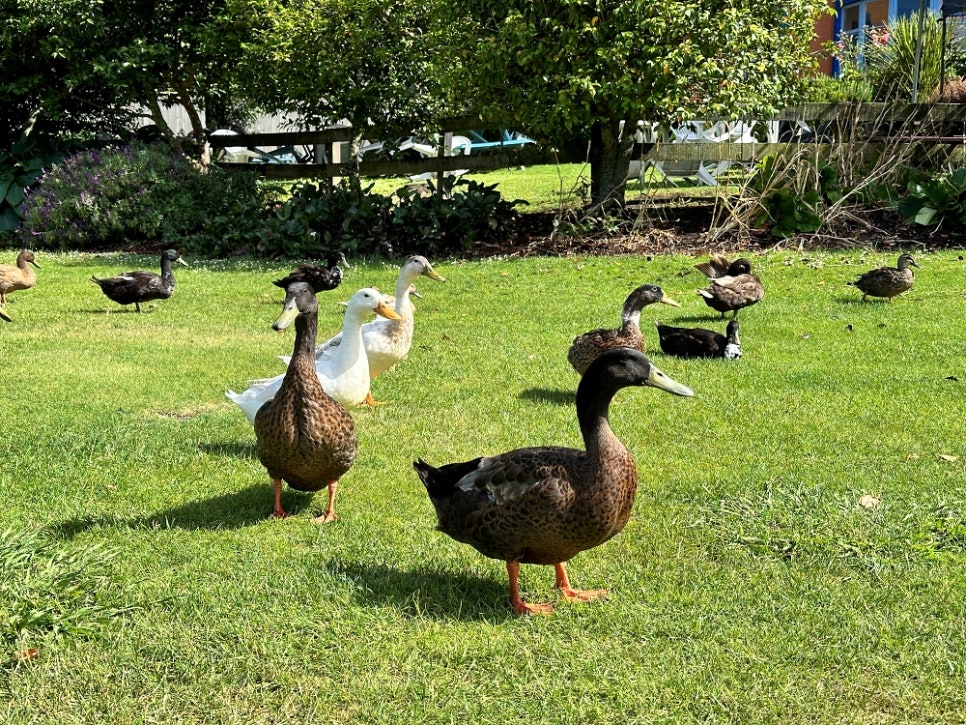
<point>546,395</point>
<point>425,591</point>
<point>235,510</point>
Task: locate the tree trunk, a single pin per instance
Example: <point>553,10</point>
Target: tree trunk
<point>610,155</point>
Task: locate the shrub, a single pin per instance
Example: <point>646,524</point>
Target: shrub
<point>319,218</point>
<point>940,199</point>
<point>469,213</point>
<point>889,57</point>
<point>109,198</point>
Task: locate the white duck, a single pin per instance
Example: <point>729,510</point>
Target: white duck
<point>387,341</point>
<point>344,374</point>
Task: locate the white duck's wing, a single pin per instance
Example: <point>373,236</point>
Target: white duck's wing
<point>260,392</point>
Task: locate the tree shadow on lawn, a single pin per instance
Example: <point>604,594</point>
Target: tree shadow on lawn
<point>236,510</point>
<point>426,591</point>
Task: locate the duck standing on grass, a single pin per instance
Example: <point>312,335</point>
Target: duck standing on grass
<point>887,281</point>
<point>19,276</point>
<point>546,505</point>
<point>140,285</point>
<point>386,340</point>
<point>344,375</point>
<point>586,347</point>
<point>733,286</point>
<point>303,436</point>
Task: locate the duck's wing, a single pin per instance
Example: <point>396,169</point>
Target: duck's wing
<point>717,267</point>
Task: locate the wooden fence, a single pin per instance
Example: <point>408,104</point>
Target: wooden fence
<point>927,124</point>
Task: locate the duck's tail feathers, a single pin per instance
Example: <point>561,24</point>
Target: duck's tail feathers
<point>443,482</point>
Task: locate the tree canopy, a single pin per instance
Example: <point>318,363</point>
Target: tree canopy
<point>555,66</point>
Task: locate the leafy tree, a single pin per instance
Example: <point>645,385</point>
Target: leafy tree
<point>555,66</point>
<point>362,61</point>
<point>87,65</point>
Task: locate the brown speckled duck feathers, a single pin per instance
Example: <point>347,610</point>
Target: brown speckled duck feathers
<point>733,286</point>
<point>304,437</point>
<point>544,505</point>
<point>588,346</point>
<point>888,281</point>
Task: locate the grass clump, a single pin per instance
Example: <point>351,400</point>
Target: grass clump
<point>48,591</point>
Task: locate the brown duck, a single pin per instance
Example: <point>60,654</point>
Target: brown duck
<point>733,286</point>
<point>588,346</point>
<point>698,342</point>
<point>304,437</point>
<point>546,505</point>
<point>887,281</point>
<point>21,276</point>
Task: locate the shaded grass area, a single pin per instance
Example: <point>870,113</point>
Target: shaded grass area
<point>751,584</point>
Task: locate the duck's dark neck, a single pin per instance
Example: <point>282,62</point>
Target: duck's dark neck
<point>593,406</point>
<point>306,327</point>
<point>166,274</point>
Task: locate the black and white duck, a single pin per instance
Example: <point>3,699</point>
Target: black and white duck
<point>699,342</point>
<point>320,279</point>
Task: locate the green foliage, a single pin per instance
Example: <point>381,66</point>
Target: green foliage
<point>940,199</point>
<point>470,212</point>
<point>319,218</point>
<point>358,60</point>
<point>889,57</point>
<point>20,168</point>
<point>788,206</point>
<point>556,65</point>
<point>48,591</point>
<point>115,197</point>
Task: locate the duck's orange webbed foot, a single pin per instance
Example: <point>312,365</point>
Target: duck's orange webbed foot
<point>575,595</point>
<point>372,402</point>
<point>520,607</point>
<point>278,512</point>
<point>329,515</point>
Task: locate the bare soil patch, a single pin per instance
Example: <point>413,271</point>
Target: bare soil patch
<point>690,228</point>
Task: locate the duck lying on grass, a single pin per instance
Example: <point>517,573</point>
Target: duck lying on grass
<point>140,285</point>
<point>586,347</point>
<point>698,342</point>
<point>887,281</point>
<point>303,436</point>
<point>344,375</point>
<point>545,505</point>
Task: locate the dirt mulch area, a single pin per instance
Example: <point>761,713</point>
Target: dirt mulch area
<point>692,228</point>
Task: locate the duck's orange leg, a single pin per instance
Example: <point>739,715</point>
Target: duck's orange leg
<point>329,514</point>
<point>520,607</point>
<point>571,594</point>
<point>370,401</point>
<point>279,512</point>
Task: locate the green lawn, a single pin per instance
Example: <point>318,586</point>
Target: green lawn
<point>750,585</point>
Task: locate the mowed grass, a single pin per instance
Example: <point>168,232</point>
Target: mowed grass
<point>750,586</point>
